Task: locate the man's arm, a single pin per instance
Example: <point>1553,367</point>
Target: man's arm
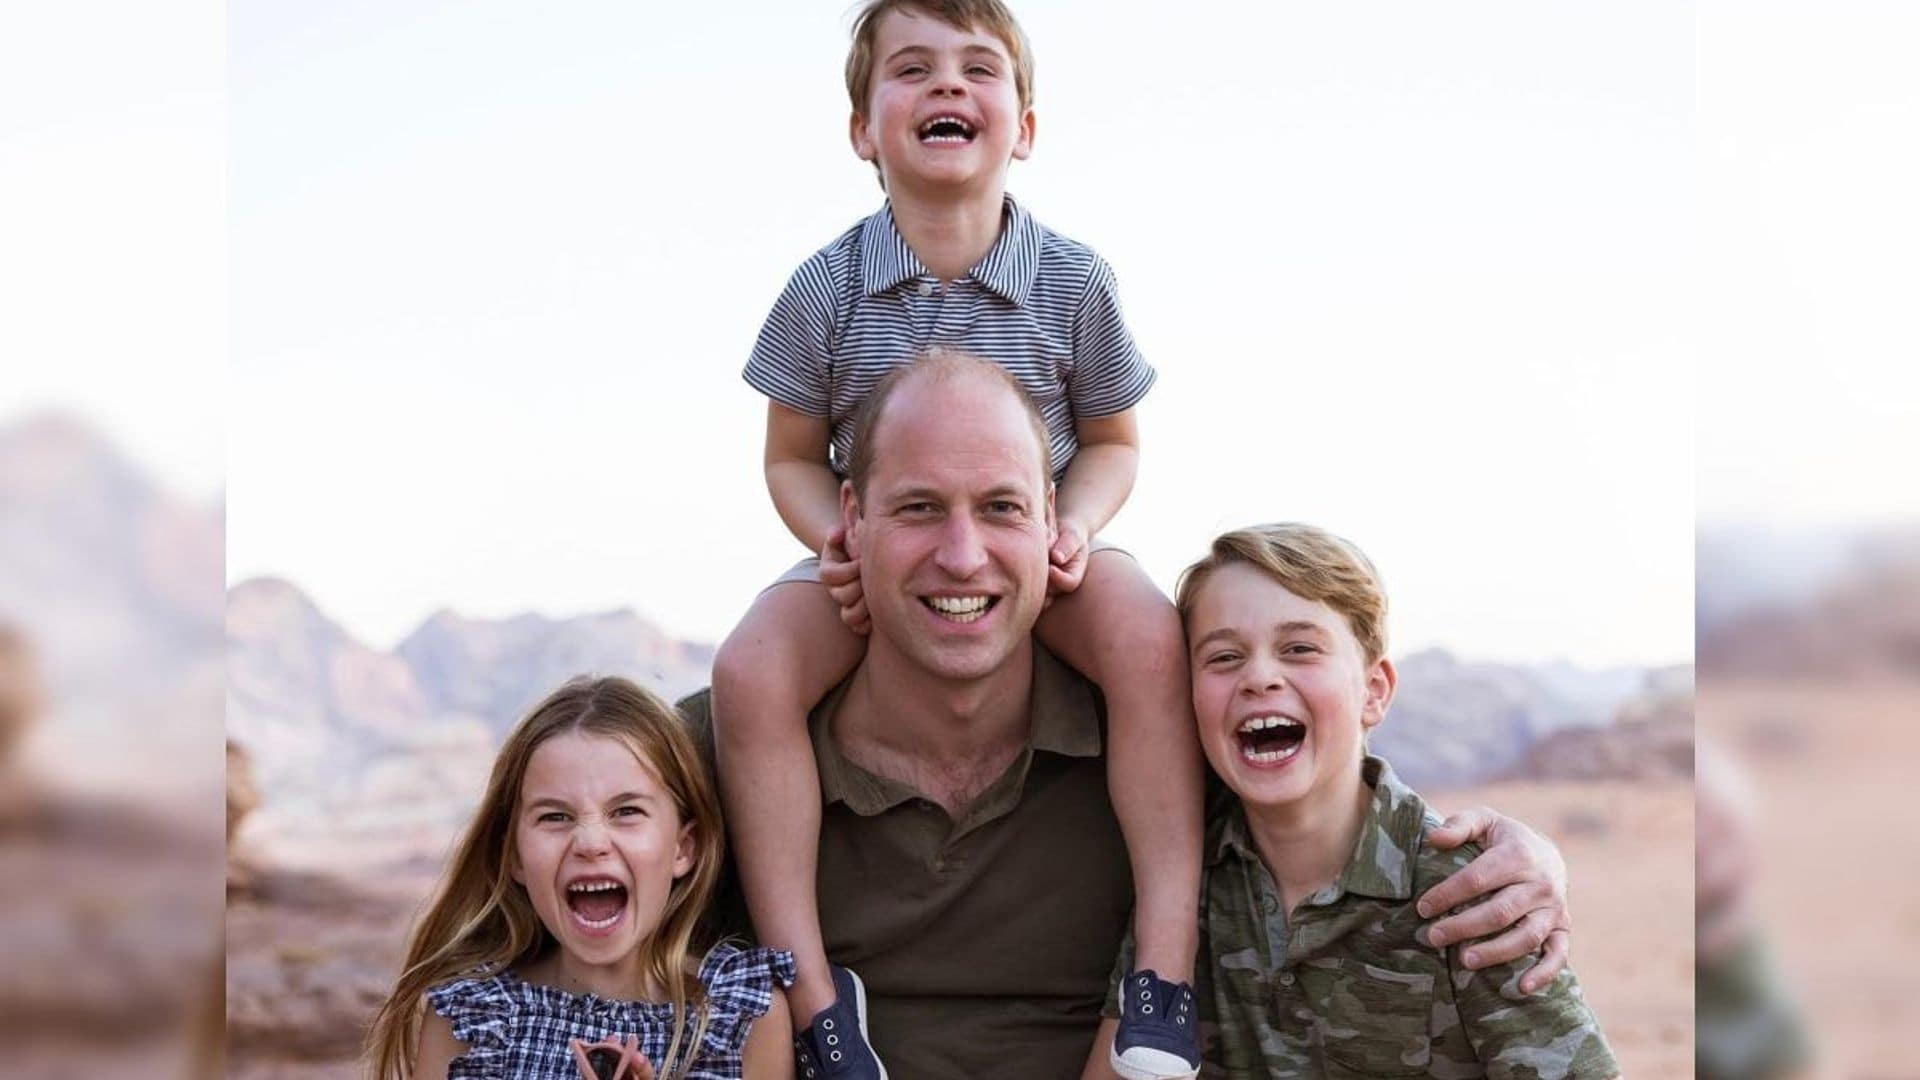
<point>1518,884</point>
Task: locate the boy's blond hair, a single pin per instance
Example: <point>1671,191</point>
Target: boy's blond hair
<point>990,16</point>
<point>1309,562</point>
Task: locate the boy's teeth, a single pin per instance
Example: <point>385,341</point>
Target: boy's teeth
<point>593,886</point>
<point>1262,723</point>
<point>1268,757</point>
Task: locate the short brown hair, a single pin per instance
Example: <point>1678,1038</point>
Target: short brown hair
<point>989,15</point>
<point>937,363</point>
<point>1309,562</point>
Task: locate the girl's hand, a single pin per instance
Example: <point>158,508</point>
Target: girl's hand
<point>840,573</point>
<point>612,1058</point>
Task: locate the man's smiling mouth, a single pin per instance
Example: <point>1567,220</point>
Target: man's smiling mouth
<point>946,128</point>
<point>960,609</point>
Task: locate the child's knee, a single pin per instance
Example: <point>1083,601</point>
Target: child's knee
<point>753,663</point>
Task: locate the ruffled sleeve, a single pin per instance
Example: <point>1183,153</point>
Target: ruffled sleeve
<point>740,984</point>
<point>478,1010</point>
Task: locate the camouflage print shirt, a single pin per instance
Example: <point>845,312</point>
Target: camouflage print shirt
<point>1346,989</point>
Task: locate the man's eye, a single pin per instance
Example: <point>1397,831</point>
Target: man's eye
<point>1003,506</point>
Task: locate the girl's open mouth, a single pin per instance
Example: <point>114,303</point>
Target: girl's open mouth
<point>597,903</point>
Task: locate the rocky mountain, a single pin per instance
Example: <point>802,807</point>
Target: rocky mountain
<point>1455,723</point>
<point>116,585</point>
<point>360,754</point>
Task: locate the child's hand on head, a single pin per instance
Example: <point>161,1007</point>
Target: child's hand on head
<point>840,573</point>
<point>1068,557</point>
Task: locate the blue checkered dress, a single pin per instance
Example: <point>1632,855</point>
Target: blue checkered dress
<point>516,1029</point>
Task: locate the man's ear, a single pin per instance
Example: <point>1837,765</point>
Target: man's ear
<point>1381,680</point>
<point>1053,522</point>
<point>850,518</point>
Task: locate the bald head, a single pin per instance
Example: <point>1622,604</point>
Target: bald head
<point>940,366</point>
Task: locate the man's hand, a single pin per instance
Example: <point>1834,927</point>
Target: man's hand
<point>840,573</point>
<point>1518,884</point>
<point>1068,557</point>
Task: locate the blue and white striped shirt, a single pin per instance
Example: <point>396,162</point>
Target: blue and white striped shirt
<point>1039,304</point>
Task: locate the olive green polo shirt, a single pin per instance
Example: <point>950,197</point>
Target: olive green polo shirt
<point>985,941</point>
<point>1345,989</point>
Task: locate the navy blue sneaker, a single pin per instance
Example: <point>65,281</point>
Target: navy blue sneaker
<point>1159,1035</point>
<point>835,1045</point>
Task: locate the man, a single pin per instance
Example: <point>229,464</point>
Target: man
<point>970,865</point>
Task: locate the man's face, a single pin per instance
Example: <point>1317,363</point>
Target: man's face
<point>943,108</point>
<point>952,534</point>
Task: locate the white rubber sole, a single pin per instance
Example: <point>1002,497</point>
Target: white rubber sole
<point>1151,1064</point>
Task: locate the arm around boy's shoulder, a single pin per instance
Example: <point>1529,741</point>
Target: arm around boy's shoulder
<point>1551,1032</point>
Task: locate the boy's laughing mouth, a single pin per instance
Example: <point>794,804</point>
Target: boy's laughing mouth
<point>947,128</point>
<point>1269,740</point>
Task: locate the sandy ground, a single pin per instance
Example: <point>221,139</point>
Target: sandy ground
<point>1629,850</point>
<point>1838,884</point>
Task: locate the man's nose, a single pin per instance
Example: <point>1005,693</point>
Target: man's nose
<point>963,551</point>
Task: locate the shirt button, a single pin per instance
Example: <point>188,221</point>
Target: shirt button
<point>1286,978</point>
<point>1269,905</point>
<point>926,288</point>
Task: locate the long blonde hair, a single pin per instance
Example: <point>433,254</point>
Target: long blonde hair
<point>481,920</point>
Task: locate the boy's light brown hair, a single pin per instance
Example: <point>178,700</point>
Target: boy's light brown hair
<point>990,16</point>
<point>1309,562</point>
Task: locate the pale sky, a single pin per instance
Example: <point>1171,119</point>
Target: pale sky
<point>1428,276</point>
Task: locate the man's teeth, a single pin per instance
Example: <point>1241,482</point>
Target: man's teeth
<point>959,608</point>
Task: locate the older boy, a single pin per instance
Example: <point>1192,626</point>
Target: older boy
<point>942,104</point>
<point>1310,961</point>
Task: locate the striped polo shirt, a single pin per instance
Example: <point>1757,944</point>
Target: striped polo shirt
<point>1039,304</point>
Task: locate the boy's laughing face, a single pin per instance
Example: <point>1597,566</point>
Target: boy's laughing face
<point>943,111</point>
<point>1282,690</point>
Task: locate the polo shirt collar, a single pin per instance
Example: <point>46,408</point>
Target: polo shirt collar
<point>1007,270</point>
<point>1063,718</point>
<point>1381,866</point>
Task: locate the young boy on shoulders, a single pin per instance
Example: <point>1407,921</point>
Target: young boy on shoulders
<point>1315,856</point>
<point>942,97</point>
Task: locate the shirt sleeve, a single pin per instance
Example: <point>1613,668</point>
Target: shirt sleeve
<point>477,1010</point>
<point>740,985</point>
<point>1548,1033</point>
<point>1109,375</point>
<point>791,360</point>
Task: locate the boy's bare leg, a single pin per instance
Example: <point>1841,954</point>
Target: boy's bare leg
<point>786,654</point>
<point>1119,630</point>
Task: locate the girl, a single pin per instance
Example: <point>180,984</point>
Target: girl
<point>562,940</point>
